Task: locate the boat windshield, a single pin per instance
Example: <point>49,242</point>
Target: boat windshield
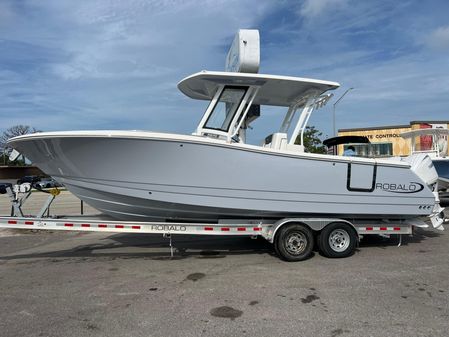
<point>225,108</point>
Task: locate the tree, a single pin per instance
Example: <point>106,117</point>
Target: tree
<point>312,140</point>
<point>14,131</point>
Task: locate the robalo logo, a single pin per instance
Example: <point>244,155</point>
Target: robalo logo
<point>412,187</point>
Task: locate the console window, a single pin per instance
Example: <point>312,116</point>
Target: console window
<point>225,109</point>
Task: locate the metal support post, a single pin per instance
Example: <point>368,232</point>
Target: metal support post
<point>168,236</point>
<point>333,115</point>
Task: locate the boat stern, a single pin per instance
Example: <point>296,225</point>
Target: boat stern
<point>421,164</point>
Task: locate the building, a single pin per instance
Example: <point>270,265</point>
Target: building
<point>387,141</point>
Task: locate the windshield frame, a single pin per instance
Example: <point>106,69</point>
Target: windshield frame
<point>237,108</point>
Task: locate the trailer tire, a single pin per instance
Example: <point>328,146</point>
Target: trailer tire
<point>337,240</point>
<point>294,242</point>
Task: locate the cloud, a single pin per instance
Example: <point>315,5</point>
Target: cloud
<point>95,64</point>
<point>114,64</point>
<point>6,13</point>
<point>373,47</point>
<point>439,39</point>
<point>314,8</point>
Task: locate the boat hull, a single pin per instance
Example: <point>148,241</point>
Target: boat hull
<point>166,178</point>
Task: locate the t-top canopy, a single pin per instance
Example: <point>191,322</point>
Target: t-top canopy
<point>346,140</point>
<point>425,132</point>
<point>274,90</point>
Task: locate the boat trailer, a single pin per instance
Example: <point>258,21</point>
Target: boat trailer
<point>293,238</point>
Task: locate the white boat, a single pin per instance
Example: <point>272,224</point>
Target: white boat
<point>213,174</point>
<point>437,151</point>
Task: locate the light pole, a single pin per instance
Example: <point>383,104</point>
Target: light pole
<point>333,116</point>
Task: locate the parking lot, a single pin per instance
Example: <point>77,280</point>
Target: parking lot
<point>95,284</point>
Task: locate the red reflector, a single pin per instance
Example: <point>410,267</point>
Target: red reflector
<point>397,228</point>
<point>119,226</point>
<point>102,226</point>
<point>383,228</point>
<point>29,223</point>
<point>85,225</point>
<point>12,222</point>
<point>369,228</point>
<point>135,227</point>
<point>208,228</point>
<point>225,229</point>
<point>68,224</point>
<point>241,229</point>
<point>257,229</point>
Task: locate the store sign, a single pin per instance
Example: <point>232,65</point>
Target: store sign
<point>384,136</point>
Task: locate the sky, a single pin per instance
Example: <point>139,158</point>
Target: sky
<point>84,65</point>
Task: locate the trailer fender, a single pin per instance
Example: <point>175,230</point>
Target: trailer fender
<point>315,224</point>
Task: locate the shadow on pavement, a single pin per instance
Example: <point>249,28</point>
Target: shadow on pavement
<point>184,247</point>
<point>203,247</point>
<point>419,235</point>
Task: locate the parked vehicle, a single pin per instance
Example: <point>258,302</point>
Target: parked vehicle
<point>28,179</point>
<point>47,183</point>
<point>4,186</point>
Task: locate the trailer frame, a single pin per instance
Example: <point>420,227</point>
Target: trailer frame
<point>293,238</point>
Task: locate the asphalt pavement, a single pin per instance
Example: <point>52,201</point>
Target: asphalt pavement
<point>98,284</point>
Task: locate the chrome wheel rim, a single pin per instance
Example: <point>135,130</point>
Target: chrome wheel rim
<point>296,243</point>
<point>339,240</point>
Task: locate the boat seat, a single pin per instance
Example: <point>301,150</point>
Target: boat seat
<point>279,141</point>
<point>276,141</point>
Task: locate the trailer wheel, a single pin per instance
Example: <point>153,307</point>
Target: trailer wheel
<point>337,240</point>
<point>294,242</point>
